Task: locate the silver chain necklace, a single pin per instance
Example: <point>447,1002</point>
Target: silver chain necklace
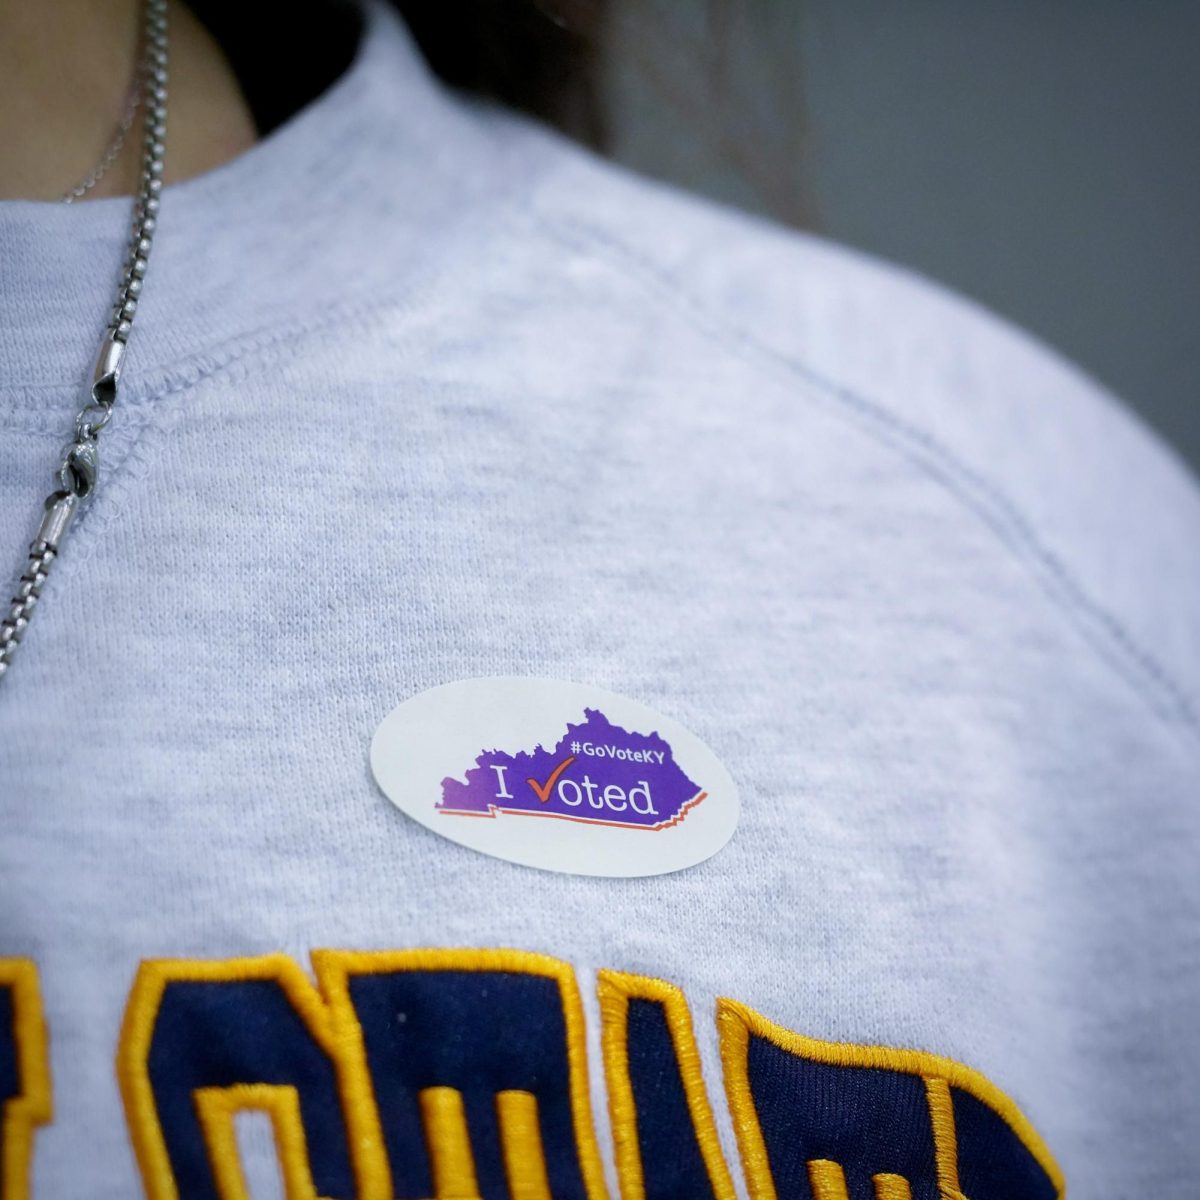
<point>78,473</point>
<point>116,143</point>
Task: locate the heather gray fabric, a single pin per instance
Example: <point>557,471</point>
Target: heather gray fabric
<point>420,393</point>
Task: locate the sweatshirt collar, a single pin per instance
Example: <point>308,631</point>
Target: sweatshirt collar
<point>255,244</point>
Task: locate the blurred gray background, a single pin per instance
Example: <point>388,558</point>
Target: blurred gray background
<point>1042,157</point>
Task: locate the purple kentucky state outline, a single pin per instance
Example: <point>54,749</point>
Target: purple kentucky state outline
<point>597,772</point>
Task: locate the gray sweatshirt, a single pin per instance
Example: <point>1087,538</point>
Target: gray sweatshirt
<point>419,393</point>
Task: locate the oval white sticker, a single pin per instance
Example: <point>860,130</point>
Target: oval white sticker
<point>556,775</point>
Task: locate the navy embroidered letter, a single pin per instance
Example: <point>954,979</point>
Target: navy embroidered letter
<point>833,1121</point>
<point>24,1074</point>
<point>203,1040</point>
<point>478,1064</point>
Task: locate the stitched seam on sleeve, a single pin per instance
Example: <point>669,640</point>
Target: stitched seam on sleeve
<point>1104,631</point>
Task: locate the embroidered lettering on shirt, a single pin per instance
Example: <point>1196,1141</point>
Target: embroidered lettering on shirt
<point>452,1073</point>
<point>25,1097</point>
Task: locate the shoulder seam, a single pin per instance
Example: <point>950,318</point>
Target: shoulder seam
<point>147,413</point>
<point>1104,631</point>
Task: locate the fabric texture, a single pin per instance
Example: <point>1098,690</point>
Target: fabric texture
<point>419,392</point>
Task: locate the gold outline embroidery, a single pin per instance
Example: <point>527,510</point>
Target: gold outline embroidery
<point>448,1143</point>
<point>216,1108</point>
<point>34,1105</point>
<point>614,990</point>
<point>368,1161</point>
<point>334,967</point>
<point>827,1180</point>
<point>521,1144</point>
<point>736,1022</point>
<point>893,1187</point>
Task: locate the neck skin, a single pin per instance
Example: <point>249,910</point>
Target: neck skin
<point>65,71</point>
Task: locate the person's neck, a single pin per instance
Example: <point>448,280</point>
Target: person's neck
<point>65,71</point>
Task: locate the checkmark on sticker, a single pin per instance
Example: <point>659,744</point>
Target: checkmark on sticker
<point>543,793</point>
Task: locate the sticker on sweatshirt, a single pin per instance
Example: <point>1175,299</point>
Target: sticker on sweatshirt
<point>561,776</point>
